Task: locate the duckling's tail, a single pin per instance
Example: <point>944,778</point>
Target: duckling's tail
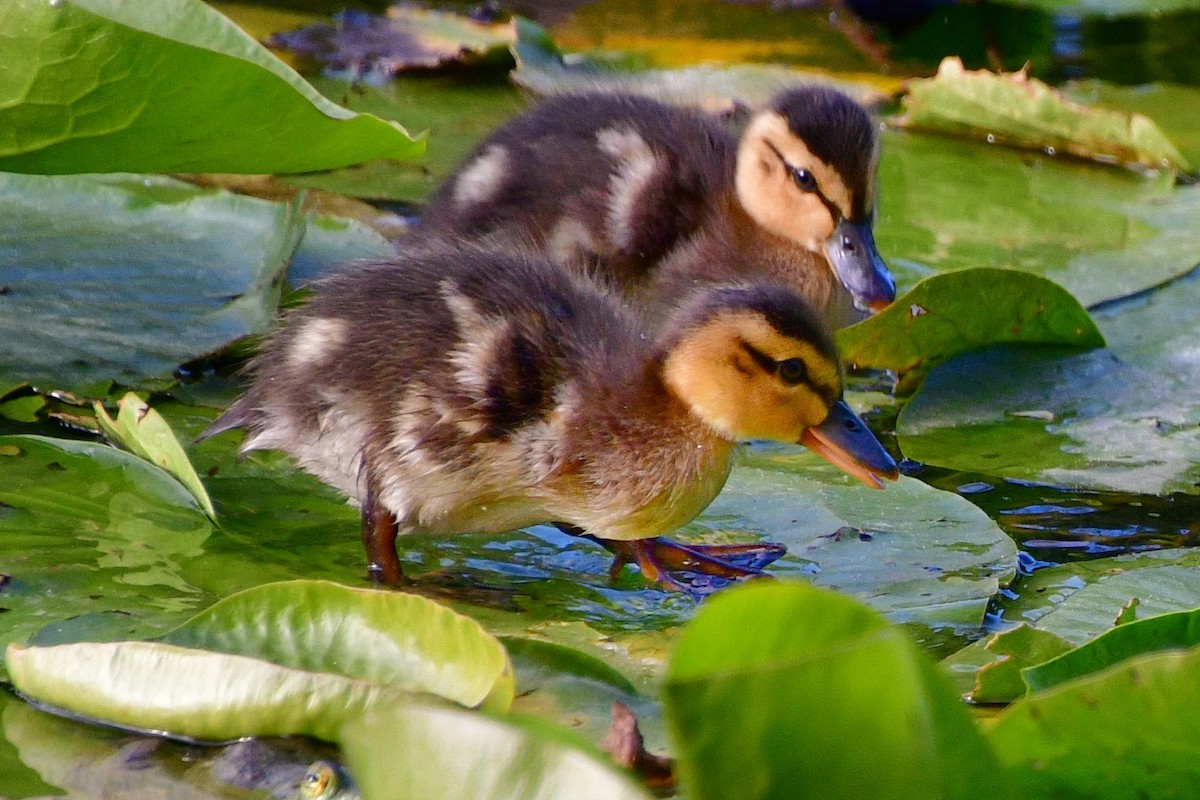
<point>238,415</point>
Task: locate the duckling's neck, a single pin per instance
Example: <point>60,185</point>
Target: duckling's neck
<point>648,462</point>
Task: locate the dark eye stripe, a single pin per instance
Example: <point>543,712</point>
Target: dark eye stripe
<point>834,211</point>
<point>827,393</point>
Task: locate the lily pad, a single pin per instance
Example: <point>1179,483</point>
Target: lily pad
<point>362,46</point>
<point>778,686</point>
<point>1178,631</point>
<point>95,86</point>
<point>125,278</point>
<point>1117,734</point>
<point>419,751</point>
<point>1124,418</point>
<point>945,315</point>
<point>947,204</point>
<point>142,431</point>
<point>910,551</point>
<point>1014,108</point>
<point>195,694</point>
<point>1174,107</point>
<point>1108,8</point>
<point>384,637</point>
<point>89,528</point>
<point>1001,681</point>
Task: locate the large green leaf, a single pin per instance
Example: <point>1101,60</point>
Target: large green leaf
<point>945,315</point>
<point>1123,418</point>
<point>191,693</point>
<point>1177,631</point>
<point>1016,109</point>
<point>384,637</point>
<point>125,278</point>
<point>107,85</point>
<point>775,689</point>
<point>948,204</point>
<point>418,751</point>
<point>1174,107</point>
<point>1126,733</point>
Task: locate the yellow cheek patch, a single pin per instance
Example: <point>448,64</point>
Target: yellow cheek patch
<point>768,192</point>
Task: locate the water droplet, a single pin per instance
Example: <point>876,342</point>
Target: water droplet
<point>1050,151</point>
<point>991,138</point>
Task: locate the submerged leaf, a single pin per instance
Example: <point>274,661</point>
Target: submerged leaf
<point>359,45</point>
<point>169,86</point>
<point>955,312</point>
<point>1016,109</point>
<point>779,686</point>
<point>142,431</point>
<point>384,637</point>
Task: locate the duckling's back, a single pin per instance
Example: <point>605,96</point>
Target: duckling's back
<point>605,183</point>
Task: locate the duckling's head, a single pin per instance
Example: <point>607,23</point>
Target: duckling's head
<point>755,362</point>
<point>806,172</point>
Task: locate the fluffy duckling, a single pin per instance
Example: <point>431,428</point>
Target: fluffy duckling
<point>475,391</point>
<point>657,199</point>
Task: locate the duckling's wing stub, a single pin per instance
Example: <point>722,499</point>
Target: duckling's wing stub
<point>238,416</point>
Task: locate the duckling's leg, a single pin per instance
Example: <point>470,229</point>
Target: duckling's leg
<point>379,532</point>
<point>658,557</point>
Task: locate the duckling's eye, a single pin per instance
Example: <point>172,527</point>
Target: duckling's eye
<point>803,178</point>
<point>792,371</point>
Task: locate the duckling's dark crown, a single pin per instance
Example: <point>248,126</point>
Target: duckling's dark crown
<point>782,308</point>
<point>836,130</point>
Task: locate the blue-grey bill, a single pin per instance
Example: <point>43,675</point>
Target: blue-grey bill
<point>845,441</point>
<point>856,262</point>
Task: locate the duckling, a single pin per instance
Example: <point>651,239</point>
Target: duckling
<point>657,199</point>
<point>468,390</point>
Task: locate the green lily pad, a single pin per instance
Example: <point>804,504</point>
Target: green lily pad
<point>1099,233</point>
<point>1001,681</point>
<point>1077,602</point>
<point>419,751</point>
<point>330,242</point>
<point>1013,108</point>
<point>190,693</point>
<point>1120,734</point>
<point>778,686</point>
<point>384,637</point>
<point>1178,631</point>
<point>91,529</point>
<point>173,86</point>
<point>142,431</point>
<point>910,551</point>
<point>125,278</point>
<point>1124,418</point>
<point>945,315</point>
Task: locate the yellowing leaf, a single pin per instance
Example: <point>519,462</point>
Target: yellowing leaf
<point>142,431</point>
<point>1015,109</point>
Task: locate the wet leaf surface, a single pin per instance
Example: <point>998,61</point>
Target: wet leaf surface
<point>1122,418</point>
<point>107,76</point>
<point>1019,110</point>
<point>125,278</point>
